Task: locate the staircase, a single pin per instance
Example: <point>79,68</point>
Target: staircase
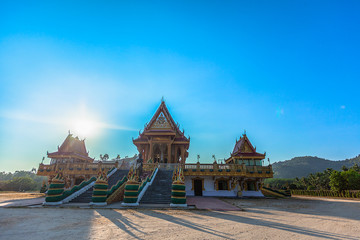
<point>113,179</point>
<point>160,190</point>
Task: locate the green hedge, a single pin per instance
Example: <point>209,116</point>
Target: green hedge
<point>328,193</point>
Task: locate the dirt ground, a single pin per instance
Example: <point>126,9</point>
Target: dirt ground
<point>6,196</point>
<point>295,218</point>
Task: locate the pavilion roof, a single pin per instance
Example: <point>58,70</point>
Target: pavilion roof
<point>72,147</point>
<point>244,148</point>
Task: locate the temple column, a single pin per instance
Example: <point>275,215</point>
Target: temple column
<point>146,157</point>
<point>169,152</point>
<point>182,154</point>
<point>161,153</point>
<point>150,151</point>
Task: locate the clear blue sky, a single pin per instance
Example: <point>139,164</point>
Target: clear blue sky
<point>286,71</point>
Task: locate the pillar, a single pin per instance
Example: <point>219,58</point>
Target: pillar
<point>182,154</point>
<point>161,153</point>
<point>150,151</point>
<point>169,153</point>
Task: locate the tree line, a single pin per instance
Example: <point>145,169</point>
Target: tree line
<point>20,181</point>
<point>329,179</point>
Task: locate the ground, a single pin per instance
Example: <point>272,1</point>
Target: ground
<point>6,196</point>
<point>294,218</point>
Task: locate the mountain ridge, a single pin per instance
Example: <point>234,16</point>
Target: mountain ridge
<point>303,166</point>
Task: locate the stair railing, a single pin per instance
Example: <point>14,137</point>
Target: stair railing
<point>141,194</point>
<point>85,188</point>
<point>142,187</point>
<point>116,192</point>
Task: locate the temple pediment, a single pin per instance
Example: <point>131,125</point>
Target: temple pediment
<point>161,122</point>
<point>161,140</point>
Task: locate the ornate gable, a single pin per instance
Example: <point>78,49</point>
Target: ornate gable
<point>243,146</point>
<point>246,148</point>
<point>161,122</point>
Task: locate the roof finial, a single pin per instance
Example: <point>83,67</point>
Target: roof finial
<point>162,99</point>
<point>244,131</point>
<point>69,132</point>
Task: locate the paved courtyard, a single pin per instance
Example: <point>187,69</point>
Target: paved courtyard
<point>295,218</point>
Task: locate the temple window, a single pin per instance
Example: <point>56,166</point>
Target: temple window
<point>223,185</point>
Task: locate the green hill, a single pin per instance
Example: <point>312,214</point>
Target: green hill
<point>303,166</point>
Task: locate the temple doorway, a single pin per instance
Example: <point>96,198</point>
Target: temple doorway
<point>198,187</point>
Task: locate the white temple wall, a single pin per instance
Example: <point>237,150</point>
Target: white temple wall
<point>209,185</point>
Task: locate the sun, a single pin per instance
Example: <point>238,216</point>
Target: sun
<point>84,127</point>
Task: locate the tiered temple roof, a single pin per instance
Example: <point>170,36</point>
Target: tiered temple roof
<point>244,150</point>
<point>162,123</point>
<point>72,147</point>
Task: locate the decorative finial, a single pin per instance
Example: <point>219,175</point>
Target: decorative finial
<point>244,131</point>
<point>69,131</point>
<point>198,157</point>
<point>213,156</point>
<point>162,99</point>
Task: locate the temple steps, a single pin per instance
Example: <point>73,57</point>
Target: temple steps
<point>113,179</point>
<point>160,190</point>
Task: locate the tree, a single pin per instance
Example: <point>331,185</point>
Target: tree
<point>21,184</point>
<point>337,181</point>
<point>356,167</point>
<point>353,179</point>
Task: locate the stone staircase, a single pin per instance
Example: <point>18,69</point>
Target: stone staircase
<point>86,196</point>
<point>160,190</point>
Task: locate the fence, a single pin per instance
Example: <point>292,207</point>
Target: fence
<point>328,193</point>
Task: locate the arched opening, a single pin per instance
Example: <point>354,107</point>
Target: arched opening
<point>157,153</point>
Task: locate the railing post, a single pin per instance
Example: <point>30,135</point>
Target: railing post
<point>100,190</point>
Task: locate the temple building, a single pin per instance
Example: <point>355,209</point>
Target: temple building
<point>72,150</point>
<point>242,174</point>
<point>73,160</point>
<point>159,174</point>
<point>161,140</point>
<point>245,153</point>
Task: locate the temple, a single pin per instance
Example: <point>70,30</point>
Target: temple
<point>72,150</point>
<point>162,141</point>
<point>245,153</point>
<point>159,174</point>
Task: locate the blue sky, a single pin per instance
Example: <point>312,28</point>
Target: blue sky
<point>286,71</point>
